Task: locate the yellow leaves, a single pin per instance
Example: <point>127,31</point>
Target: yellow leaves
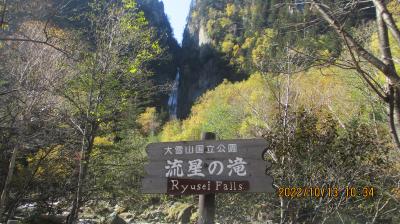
<point>331,88</point>
<point>57,33</point>
<point>102,141</point>
<point>45,163</point>
<point>250,125</point>
<point>149,120</point>
<point>171,131</point>
<point>141,19</point>
<point>263,44</point>
<point>129,4</point>
<point>156,47</point>
<point>230,9</point>
<point>225,22</point>
<point>374,43</point>
<point>241,60</point>
<point>149,114</point>
<point>248,43</point>
<point>394,8</point>
<point>212,13</point>
<point>210,25</point>
<point>245,109</point>
<point>4,26</point>
<point>325,53</point>
<point>236,50</point>
<point>222,110</point>
<point>396,192</point>
<point>195,14</point>
<point>227,46</point>
<point>133,70</point>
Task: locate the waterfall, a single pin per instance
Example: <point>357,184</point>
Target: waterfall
<point>173,98</point>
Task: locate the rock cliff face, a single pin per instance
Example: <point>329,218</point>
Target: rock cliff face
<point>164,69</point>
<point>204,39</point>
<point>202,66</point>
<point>230,39</point>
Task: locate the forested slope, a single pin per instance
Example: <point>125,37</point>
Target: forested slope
<point>231,39</point>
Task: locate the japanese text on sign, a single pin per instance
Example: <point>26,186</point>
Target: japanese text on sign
<point>200,149</point>
<point>234,167</point>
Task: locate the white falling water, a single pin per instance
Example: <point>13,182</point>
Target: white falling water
<point>173,98</point>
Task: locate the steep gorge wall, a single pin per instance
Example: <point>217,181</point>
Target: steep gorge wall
<point>230,39</point>
<point>203,67</point>
<point>165,68</point>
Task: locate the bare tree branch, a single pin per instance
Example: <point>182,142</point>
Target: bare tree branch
<point>7,92</point>
<point>35,41</point>
<point>387,70</point>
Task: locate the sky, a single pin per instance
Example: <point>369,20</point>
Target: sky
<point>177,11</point>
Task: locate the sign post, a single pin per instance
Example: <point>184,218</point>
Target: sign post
<point>207,201</point>
<point>207,167</point>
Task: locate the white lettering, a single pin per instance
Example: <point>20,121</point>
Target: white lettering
<point>221,148</point>
<point>184,187</point>
<point>178,150</point>
<point>174,168</point>
<point>218,184</point>
<point>237,166</point>
<point>174,184</point>
<point>199,149</point>
<point>195,167</point>
<point>168,151</point>
<point>213,167</point>
<point>232,148</point>
<point>189,149</point>
<point>209,149</point>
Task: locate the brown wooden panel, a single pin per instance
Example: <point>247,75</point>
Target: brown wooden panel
<point>177,186</point>
<point>151,185</point>
<point>253,168</point>
<point>207,149</point>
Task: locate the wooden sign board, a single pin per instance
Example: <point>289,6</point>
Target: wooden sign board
<point>210,162</point>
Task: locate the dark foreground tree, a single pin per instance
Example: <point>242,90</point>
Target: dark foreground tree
<point>111,78</point>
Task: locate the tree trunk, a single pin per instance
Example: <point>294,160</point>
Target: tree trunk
<point>387,58</point>
<point>385,15</point>
<point>10,174</point>
<point>396,104</point>
<point>83,168</point>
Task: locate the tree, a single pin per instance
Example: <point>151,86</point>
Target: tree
<point>149,121</point>
<point>110,78</point>
<point>315,151</point>
<point>361,57</point>
<point>14,13</point>
<point>28,111</point>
